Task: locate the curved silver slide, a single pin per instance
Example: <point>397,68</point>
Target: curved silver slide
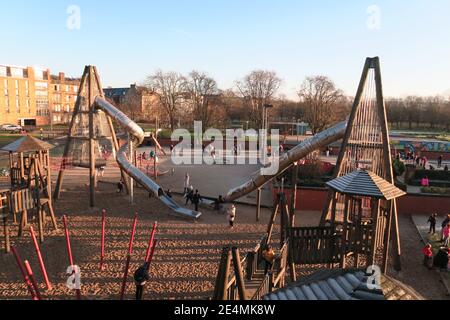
<point>321,139</point>
<point>138,137</point>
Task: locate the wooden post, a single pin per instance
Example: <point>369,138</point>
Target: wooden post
<point>6,233</point>
<point>116,149</point>
<point>239,274</point>
<point>387,237</point>
<point>294,189</point>
<point>92,166</point>
<point>272,220</point>
<point>345,233</point>
<point>22,165</point>
<point>226,275</point>
<point>130,153</point>
<point>396,238</point>
<point>258,205</point>
<point>218,288</point>
<point>102,244</point>
<point>375,217</point>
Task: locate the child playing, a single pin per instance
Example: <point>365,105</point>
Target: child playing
<point>446,234</point>
<point>428,256</point>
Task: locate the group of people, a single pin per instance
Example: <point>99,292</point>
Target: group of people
<point>423,162</point>
<point>441,259</point>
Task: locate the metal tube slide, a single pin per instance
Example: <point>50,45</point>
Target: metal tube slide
<point>138,137</point>
<point>321,139</point>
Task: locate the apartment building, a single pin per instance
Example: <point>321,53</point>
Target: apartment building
<point>138,102</point>
<point>32,96</point>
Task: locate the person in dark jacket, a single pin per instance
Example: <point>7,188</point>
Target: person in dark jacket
<point>196,198</point>
<point>432,221</point>
<point>441,259</point>
<point>141,276</point>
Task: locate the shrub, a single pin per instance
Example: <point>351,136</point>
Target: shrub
<point>432,175</point>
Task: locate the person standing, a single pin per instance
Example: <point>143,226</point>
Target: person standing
<point>190,195</point>
<point>440,159</point>
<point>443,225</point>
<point>120,187</point>
<point>432,221</point>
<point>196,198</point>
<point>141,276</point>
<point>231,215</point>
<point>428,256</point>
<point>446,234</point>
<point>187,181</point>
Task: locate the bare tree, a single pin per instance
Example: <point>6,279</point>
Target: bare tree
<point>319,96</point>
<point>259,88</point>
<point>170,88</point>
<point>202,93</point>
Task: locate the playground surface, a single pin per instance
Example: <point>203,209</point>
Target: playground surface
<point>186,258</point>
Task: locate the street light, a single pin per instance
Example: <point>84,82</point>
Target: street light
<point>265,125</point>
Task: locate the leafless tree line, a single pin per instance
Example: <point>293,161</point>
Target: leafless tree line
<point>415,112</point>
<point>183,99</point>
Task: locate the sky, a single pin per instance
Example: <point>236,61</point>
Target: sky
<point>128,40</point>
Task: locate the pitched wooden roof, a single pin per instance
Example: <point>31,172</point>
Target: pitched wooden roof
<point>367,184</point>
<point>28,144</point>
<point>340,284</point>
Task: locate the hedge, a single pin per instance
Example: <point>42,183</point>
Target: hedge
<point>432,175</point>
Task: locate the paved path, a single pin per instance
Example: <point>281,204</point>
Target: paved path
<point>422,226</point>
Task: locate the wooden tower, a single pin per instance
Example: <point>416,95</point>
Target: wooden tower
<point>88,129</point>
<point>366,146</point>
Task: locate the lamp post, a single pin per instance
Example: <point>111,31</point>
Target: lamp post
<point>265,127</point>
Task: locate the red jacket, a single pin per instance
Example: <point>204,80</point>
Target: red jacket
<point>428,252</point>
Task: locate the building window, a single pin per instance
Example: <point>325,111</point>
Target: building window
<point>17,72</point>
<point>27,89</point>
<point>28,105</point>
<point>75,89</point>
<point>67,108</point>
<point>7,104</point>
<point>17,105</point>
<point>16,85</point>
<point>3,72</point>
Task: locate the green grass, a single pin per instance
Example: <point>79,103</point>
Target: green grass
<point>6,139</point>
<point>435,241</point>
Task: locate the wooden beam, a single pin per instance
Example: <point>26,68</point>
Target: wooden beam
<point>92,167</point>
<point>239,274</point>
<point>59,181</point>
<point>258,205</point>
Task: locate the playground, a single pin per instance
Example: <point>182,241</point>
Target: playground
<point>92,233</point>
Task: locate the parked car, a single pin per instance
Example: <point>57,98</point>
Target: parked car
<point>12,128</point>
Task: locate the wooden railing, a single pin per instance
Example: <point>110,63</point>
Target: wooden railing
<point>270,282</point>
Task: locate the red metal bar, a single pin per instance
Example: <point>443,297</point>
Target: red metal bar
<point>151,254</point>
<point>69,250</point>
<point>102,254</point>
<point>24,273</point>
<point>150,243</point>
<point>125,277</point>
<point>133,233</point>
<point>33,280</point>
<point>41,261</point>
